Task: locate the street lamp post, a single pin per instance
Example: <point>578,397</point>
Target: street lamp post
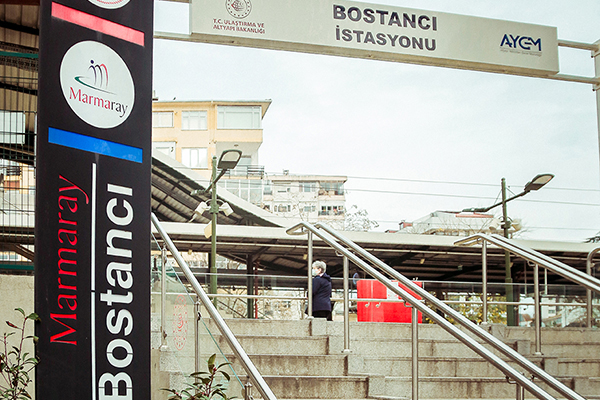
<point>536,183</point>
<point>228,160</point>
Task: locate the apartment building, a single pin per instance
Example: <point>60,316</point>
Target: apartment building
<point>192,132</point>
<point>308,197</point>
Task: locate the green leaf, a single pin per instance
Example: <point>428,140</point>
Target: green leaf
<point>211,362</point>
<point>225,374</point>
<point>33,316</point>
<point>20,310</point>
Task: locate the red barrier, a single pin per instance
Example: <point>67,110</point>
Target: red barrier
<point>382,311</point>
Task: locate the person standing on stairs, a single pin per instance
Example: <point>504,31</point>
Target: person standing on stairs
<point>321,291</point>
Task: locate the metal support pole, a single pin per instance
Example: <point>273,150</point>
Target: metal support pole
<point>538,310</point>
<point>346,307</point>
<point>415,353</point>
<point>484,279</point>
<point>256,290</point>
<point>163,298</point>
<point>197,338</point>
<point>596,55</point>
<point>510,309</point>
<point>248,391</point>
<point>214,210</point>
<point>588,299</point>
<point>520,392</point>
<point>588,269</point>
<point>310,261</point>
<point>249,286</point>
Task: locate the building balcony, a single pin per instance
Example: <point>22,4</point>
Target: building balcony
<point>248,171</point>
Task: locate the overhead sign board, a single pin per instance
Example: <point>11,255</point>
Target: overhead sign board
<point>93,200</point>
<point>382,32</point>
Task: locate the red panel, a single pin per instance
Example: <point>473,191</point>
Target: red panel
<point>370,311</point>
<point>97,24</point>
<point>382,312</point>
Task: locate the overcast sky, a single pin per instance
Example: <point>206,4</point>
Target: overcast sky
<point>415,139</point>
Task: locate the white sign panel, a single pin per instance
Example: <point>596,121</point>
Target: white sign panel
<point>380,32</point>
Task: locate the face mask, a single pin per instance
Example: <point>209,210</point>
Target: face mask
<point>315,272</point>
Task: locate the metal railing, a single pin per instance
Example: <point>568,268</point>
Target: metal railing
<point>255,376</point>
<point>350,251</point>
<point>538,259</point>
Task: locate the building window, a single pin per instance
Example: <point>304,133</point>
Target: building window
<point>193,120</point>
<point>284,208</point>
<point>194,157</point>
<point>332,188</point>
<point>167,148</point>
<point>308,186</point>
<point>236,117</point>
<point>162,119</point>
<point>267,188</point>
<point>247,189</point>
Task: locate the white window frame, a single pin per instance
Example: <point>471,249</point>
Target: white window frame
<point>187,117</point>
<point>162,119</point>
<point>195,157</point>
<point>226,117</point>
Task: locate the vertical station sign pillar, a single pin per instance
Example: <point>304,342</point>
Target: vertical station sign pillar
<point>92,226</point>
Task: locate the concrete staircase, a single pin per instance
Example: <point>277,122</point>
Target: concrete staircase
<point>304,360</point>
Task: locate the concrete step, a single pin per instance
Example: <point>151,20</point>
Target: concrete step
<point>431,366</point>
<point>295,365</point>
<point>240,326</point>
<point>318,387</point>
<point>572,350</point>
<point>481,387</point>
<point>579,367</point>
<point>284,345</point>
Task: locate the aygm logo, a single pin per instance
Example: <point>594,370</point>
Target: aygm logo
<point>238,8</point>
<point>110,4</point>
<point>521,42</point>
<point>97,84</point>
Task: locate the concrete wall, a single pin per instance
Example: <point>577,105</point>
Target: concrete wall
<point>16,291</point>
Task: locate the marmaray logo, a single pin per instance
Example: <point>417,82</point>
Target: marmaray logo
<point>238,8</point>
<point>99,80</point>
<point>97,84</point>
<point>521,43</point>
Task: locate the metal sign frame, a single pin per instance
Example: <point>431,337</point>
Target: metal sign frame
<point>93,200</point>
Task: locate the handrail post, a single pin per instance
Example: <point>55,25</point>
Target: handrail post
<point>520,392</point>
<point>588,270</point>
<point>309,269</point>
<point>197,337</point>
<point>346,307</point>
<point>163,297</point>
<point>538,310</point>
<point>484,282</point>
<point>248,391</point>
<point>415,353</point>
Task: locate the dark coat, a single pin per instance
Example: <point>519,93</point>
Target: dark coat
<point>321,297</point>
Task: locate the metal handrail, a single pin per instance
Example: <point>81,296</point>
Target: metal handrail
<point>237,349</point>
<point>564,270</point>
<point>331,237</point>
<point>588,270</point>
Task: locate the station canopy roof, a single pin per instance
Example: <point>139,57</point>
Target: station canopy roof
<point>253,232</point>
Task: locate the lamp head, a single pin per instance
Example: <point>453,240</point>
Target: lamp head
<point>226,209</point>
<point>538,182</point>
<point>229,159</point>
<point>202,207</point>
